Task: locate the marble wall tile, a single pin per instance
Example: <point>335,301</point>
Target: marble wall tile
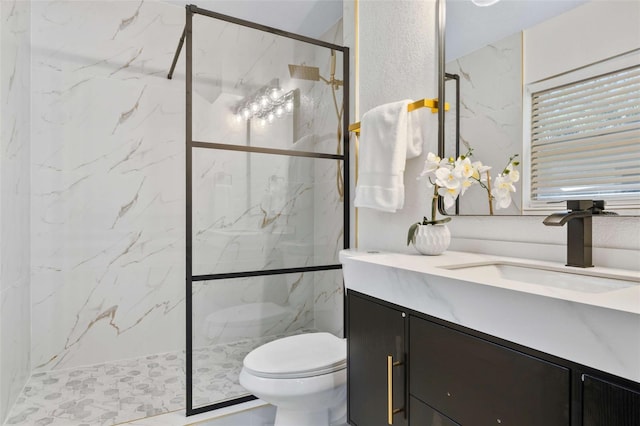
<point>15,85</point>
<point>246,308</point>
<point>14,147</point>
<point>14,344</point>
<point>272,225</point>
<point>328,302</point>
<point>107,182</point>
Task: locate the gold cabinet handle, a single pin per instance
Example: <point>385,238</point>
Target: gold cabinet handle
<point>390,410</point>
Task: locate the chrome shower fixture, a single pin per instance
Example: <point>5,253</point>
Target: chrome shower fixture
<point>266,105</point>
<point>305,72</point>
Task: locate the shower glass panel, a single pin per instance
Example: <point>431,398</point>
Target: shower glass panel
<point>255,211</point>
<point>267,162</point>
<point>234,316</point>
<point>260,89</point>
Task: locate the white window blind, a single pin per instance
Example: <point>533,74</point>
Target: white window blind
<point>585,139</point>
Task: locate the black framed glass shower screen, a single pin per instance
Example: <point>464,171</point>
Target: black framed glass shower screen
<point>260,89</point>
<point>267,175</point>
<point>231,317</point>
<point>254,211</point>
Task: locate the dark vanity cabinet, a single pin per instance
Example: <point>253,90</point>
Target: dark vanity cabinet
<point>443,374</point>
<point>475,382</point>
<point>423,415</point>
<point>376,376</point>
<point>605,403</point>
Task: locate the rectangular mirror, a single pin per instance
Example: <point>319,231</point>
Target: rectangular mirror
<point>498,59</point>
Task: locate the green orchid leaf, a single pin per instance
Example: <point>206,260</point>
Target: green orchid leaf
<point>436,222</point>
<point>411,236</point>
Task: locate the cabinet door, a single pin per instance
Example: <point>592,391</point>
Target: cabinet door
<point>478,383</point>
<point>423,415</point>
<point>375,332</point>
<point>606,404</point>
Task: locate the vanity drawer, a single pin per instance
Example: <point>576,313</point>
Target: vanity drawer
<point>421,414</point>
<point>476,382</point>
<point>605,403</point>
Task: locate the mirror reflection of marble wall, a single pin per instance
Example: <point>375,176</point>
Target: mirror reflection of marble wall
<point>490,114</point>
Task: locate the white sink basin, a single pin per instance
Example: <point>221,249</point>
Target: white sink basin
<point>577,280</point>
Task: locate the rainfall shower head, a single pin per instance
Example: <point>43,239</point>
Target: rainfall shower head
<point>304,72</point>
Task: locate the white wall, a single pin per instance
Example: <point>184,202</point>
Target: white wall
<point>397,60</point>
<point>581,37</point>
<point>397,57</point>
<point>15,85</point>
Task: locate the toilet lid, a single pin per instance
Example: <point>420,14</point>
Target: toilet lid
<point>303,355</point>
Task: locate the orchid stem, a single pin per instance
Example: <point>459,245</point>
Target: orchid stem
<point>489,193</point>
<point>434,201</point>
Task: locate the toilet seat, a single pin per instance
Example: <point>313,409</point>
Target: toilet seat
<point>299,356</point>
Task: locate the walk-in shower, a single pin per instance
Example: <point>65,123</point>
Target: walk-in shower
<point>264,221</point>
<point>259,182</point>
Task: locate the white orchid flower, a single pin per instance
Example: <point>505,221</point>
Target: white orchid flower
<point>467,183</point>
<point>445,177</point>
<point>502,191</point>
<point>449,195</point>
<point>452,177</point>
<point>431,164</point>
<point>480,171</point>
<point>463,167</point>
<point>512,174</point>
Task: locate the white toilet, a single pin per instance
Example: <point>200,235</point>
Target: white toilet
<point>304,376</point>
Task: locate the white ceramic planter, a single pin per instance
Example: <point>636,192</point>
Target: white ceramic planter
<point>432,240</point>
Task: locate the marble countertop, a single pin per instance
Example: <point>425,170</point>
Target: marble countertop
<point>597,329</point>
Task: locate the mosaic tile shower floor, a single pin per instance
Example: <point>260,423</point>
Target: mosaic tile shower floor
<point>118,392</point>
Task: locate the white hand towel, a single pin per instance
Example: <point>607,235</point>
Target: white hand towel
<point>388,137</point>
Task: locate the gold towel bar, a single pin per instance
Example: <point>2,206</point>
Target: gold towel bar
<point>422,103</point>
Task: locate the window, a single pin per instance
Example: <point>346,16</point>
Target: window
<point>584,136</point>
